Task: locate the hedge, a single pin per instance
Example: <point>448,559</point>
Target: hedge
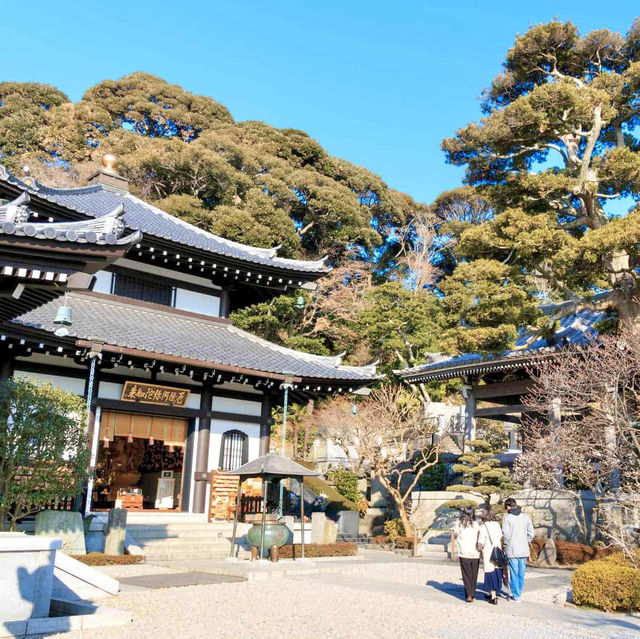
<point>341,549</point>
<point>570,553</point>
<point>611,584</point>
<point>100,559</point>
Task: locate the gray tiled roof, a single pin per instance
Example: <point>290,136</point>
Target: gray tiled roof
<point>576,328</point>
<point>108,229</point>
<point>97,201</point>
<point>130,324</point>
<point>273,464</point>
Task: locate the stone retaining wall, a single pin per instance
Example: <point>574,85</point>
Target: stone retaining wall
<point>557,514</point>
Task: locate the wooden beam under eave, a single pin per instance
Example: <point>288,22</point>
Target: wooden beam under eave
<point>494,411</point>
<point>487,391</point>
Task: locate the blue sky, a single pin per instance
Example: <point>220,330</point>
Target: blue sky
<point>377,83</point>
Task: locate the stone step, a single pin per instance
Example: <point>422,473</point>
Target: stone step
<point>177,530</point>
<point>186,554</point>
<point>185,542</point>
<point>158,533</point>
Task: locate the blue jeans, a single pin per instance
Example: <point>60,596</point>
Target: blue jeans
<point>517,568</point>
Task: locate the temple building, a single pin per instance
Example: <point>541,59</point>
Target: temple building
<point>494,385</point>
<point>109,297</point>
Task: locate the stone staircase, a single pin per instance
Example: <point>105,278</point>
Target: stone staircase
<point>171,536</point>
<point>435,544</point>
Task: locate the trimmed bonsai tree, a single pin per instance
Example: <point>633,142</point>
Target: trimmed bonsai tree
<point>481,473</point>
<point>43,454</point>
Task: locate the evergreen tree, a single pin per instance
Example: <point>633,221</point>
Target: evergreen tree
<point>481,472</point>
<point>556,147</point>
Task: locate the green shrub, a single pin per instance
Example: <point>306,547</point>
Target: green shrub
<point>460,504</point>
<point>435,477</point>
<point>100,559</point>
<point>319,550</point>
<point>610,584</point>
<point>346,484</point>
<point>394,528</point>
<point>337,502</point>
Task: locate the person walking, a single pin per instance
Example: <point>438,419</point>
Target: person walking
<point>517,531</point>
<point>490,540</point>
<point>466,538</point>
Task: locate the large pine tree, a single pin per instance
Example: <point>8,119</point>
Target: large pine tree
<point>555,152</point>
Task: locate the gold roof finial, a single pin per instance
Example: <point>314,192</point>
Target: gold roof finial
<point>110,163</point>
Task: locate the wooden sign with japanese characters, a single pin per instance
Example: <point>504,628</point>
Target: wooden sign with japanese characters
<point>143,393</point>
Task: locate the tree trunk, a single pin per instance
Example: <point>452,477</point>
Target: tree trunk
<point>399,501</point>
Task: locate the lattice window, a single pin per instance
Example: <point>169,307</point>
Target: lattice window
<point>234,450</point>
<point>139,287</point>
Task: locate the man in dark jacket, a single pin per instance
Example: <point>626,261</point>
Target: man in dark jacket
<point>517,531</point>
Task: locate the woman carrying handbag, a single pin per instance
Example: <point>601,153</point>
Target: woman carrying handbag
<point>466,538</point>
<point>493,559</point>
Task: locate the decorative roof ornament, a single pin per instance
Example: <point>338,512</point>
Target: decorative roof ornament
<point>110,163</point>
<point>108,229</point>
<point>15,212</point>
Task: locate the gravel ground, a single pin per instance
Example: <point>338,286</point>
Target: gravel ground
<point>382,601</point>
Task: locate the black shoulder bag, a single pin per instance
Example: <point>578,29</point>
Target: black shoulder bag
<point>497,556</point>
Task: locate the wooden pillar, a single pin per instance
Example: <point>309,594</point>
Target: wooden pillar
<point>469,411</point>
<point>187,468</point>
<point>556,424</point>
<point>265,425</point>
<point>6,365</point>
<point>91,385</point>
<point>225,303</point>
<point>202,457</point>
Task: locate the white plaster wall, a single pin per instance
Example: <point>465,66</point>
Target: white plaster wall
<point>110,390</point>
<point>104,280</point>
<point>71,384</point>
<point>220,426</point>
<point>237,406</point>
<point>197,302</point>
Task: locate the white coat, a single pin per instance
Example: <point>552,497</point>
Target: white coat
<point>467,541</point>
<point>489,537</point>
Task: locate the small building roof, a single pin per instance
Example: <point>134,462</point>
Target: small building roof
<point>273,465</point>
<point>576,328</point>
<point>144,329</point>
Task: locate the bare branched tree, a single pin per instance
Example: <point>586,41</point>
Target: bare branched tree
<point>389,436</point>
<point>588,430</point>
<point>418,248</point>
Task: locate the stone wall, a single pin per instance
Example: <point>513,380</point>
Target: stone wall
<point>427,510</point>
<point>557,514</point>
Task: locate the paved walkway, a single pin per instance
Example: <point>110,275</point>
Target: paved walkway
<point>380,595</point>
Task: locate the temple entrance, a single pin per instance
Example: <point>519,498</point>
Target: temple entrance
<point>140,462</point>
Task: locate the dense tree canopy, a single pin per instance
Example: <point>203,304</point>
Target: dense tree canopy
<point>558,144</point>
<point>247,181</point>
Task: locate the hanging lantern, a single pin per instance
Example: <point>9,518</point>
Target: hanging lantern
<point>130,438</point>
<point>62,320</point>
<point>63,316</point>
<point>152,441</point>
<point>105,442</point>
<point>171,448</point>
<point>300,302</point>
